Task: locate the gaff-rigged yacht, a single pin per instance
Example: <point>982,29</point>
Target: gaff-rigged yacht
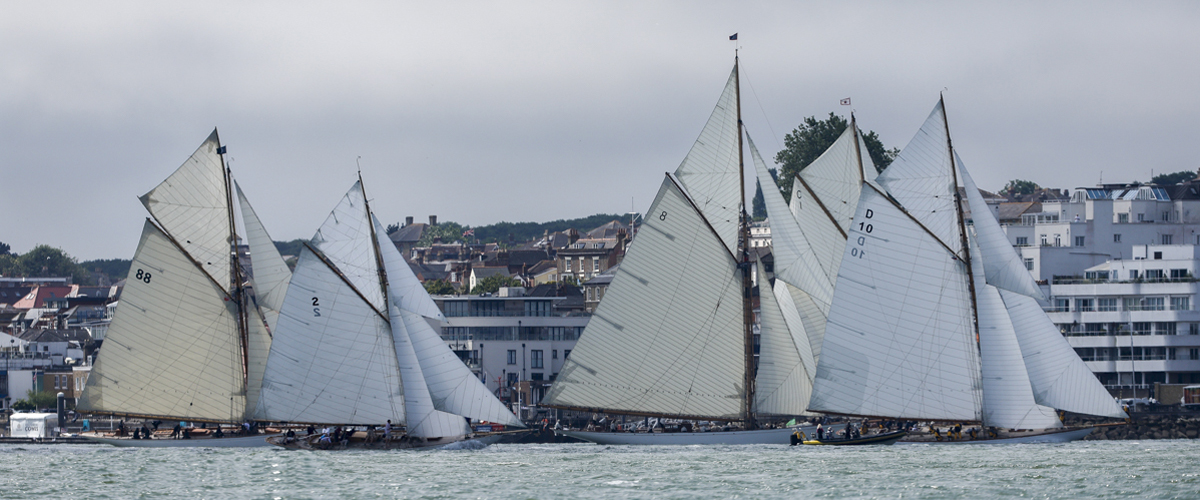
<point>188,341</point>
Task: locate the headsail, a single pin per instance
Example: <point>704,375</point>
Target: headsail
<point>345,238</point>
<point>407,292</point>
<point>710,172</point>
<point>785,364</point>
<point>421,419</point>
<point>1001,264</point>
<point>192,205</point>
<point>172,349</point>
<point>900,339</point>
<point>270,274</point>
<point>668,337</point>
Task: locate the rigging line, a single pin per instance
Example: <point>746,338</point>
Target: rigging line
<point>763,110</point>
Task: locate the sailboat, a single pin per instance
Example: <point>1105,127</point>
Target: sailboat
<point>932,320</point>
<point>672,337</point>
<point>354,344</point>
<point>189,342</point>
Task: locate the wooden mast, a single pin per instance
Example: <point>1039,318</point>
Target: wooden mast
<point>747,284</point>
<point>235,277</point>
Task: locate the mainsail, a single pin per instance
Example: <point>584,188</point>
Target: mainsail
<point>184,344</point>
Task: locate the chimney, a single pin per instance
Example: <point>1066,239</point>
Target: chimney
<point>432,220</point>
<point>408,220</point>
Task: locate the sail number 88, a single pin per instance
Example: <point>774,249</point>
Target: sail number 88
<point>142,276</point>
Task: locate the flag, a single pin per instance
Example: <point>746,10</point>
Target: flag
<point>733,36</point>
<point>469,232</point>
<point>845,102</point>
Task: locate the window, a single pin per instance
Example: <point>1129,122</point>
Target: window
<point>1085,305</point>
<point>566,353</point>
<point>1058,240</point>
<point>1106,304</point>
<point>537,377</point>
<point>512,380</point>
<point>535,358</point>
<point>1044,240</point>
<point>1166,240</point>
<point>1181,303</point>
<point>1164,328</point>
<point>1079,241</point>
<point>1141,217</point>
<point>512,356</point>
<point>1194,354</point>
<point>1152,304</point>
<point>1193,328</point>
<point>1178,274</point>
<point>1029,264</point>
<point>1154,274</point>
<point>1171,353</point>
<point>1062,305</point>
<point>1141,328</point>
<point>581,263</point>
<point>1022,241</point>
<point>595,264</point>
<point>567,265</point>
<point>1133,274</point>
<point>1117,238</point>
<point>1166,216</point>
<point>554,354</point>
<point>1123,218</point>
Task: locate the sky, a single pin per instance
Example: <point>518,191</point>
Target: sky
<point>481,112</point>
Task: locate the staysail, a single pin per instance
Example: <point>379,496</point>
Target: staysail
<point>1001,264</point>
<point>668,337</point>
<point>785,365</point>
<point>270,274</point>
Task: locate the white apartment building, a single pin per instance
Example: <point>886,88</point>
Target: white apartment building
<point>1133,320</point>
<point>1105,223</point>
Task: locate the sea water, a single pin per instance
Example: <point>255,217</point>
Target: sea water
<point>1086,469</point>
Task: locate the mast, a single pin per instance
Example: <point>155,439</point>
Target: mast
<point>862,176</point>
<point>744,265</point>
<point>962,231</point>
<point>383,281</point>
<point>235,275</point>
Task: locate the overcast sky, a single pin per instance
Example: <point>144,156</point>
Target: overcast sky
<point>482,112</point>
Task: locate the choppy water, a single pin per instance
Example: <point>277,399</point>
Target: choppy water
<point>1094,469</point>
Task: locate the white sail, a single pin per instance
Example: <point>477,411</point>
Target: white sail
<point>668,337</point>
<point>783,382</point>
<point>405,290</point>
<point>192,205</point>
<point>332,359</point>
<point>258,348</point>
<point>899,340</point>
<point>811,316</point>
<point>792,243</point>
<point>421,418</point>
<point>922,180</point>
<point>172,348</point>
<point>1007,395</point>
<point>269,273</point>
<point>711,171</point>
<point>837,175</point>
<point>345,238</point>
<point>1059,378</point>
<point>451,385</point>
<point>1001,264</point>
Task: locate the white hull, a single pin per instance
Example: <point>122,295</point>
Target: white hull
<point>765,436</point>
<point>206,442</point>
<point>1051,437</point>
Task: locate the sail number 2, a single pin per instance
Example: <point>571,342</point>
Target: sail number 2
<point>316,309</point>
<point>861,242</point>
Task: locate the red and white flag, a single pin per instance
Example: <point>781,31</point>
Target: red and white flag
<point>845,102</point>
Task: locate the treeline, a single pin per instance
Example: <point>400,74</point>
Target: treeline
<point>47,261</point>
<point>506,233</point>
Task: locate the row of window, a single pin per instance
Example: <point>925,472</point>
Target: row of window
<point>1135,328</point>
<point>535,357</point>
<point>1137,353</point>
<point>595,264</point>
<point>1110,304</point>
<point>481,333</point>
<point>1023,241</point>
<point>489,308</point>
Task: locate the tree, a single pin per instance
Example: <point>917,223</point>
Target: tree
<point>4,248</point>
<point>36,400</point>
<point>391,228</point>
<point>492,284</point>
<point>808,141</point>
<point>439,287</point>
<point>1160,179</point>
<point>447,232</point>
<point>1019,186</point>
<point>44,260</point>
<point>759,204</point>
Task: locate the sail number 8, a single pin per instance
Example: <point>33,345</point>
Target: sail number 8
<point>142,276</point>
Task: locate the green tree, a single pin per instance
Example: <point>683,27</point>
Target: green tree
<point>439,287</point>
<point>116,269</point>
<point>1019,186</point>
<point>447,232</point>
<point>37,400</point>
<point>1160,179</point>
<point>4,248</point>
<point>391,228</point>
<point>289,247</point>
<point>45,260</point>
<point>808,141</point>
<point>492,284</point>
<point>759,204</point>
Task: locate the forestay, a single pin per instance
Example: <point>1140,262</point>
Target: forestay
<point>668,337</point>
<point>1059,378</point>
<point>270,274</point>
<point>899,340</point>
<point>192,205</point>
<point>172,348</point>
<point>711,171</point>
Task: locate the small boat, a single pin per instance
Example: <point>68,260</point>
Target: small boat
<point>188,342</point>
<point>881,439</point>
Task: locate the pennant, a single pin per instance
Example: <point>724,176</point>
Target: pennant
<point>845,102</point>
<point>733,36</point>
